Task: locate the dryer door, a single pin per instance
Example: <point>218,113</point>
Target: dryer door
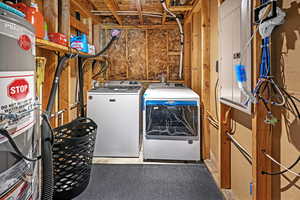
<point>175,120</point>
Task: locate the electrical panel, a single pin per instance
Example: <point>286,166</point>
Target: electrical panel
<point>235,48</point>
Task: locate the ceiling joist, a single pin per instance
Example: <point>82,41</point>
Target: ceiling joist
<point>163,21</point>
<point>114,8</point>
<point>84,11</point>
<point>139,9</point>
<point>129,13</point>
<point>180,8</point>
<point>108,26</point>
<point>196,8</point>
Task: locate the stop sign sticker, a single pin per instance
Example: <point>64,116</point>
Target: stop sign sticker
<point>18,89</point>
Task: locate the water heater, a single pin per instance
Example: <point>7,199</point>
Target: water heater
<point>18,115</point>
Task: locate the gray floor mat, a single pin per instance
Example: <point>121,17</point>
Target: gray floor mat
<point>151,182</point>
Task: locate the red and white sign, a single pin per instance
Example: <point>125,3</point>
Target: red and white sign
<point>17,94</point>
<point>25,42</point>
<point>18,89</point>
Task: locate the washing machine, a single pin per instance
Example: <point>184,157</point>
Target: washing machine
<point>171,123</point>
<point>116,108</point>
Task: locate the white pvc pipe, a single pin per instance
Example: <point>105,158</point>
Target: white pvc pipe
<point>181,36</point>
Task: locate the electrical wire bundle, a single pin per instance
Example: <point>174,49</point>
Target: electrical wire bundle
<point>267,89</point>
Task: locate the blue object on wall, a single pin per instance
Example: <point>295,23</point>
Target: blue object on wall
<point>240,71</point>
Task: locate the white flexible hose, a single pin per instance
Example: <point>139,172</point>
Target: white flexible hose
<point>163,3</point>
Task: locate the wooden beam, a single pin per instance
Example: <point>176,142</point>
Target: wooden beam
<point>139,9</point>
<point>180,8</point>
<point>225,147</point>
<point>96,33</point>
<point>54,47</point>
<point>108,26</point>
<point>205,71</point>
<point>89,24</point>
<point>64,17</point>
<point>79,25</point>
<point>164,18</point>
<point>187,54</point>
<point>220,2</point>
<point>84,11</point>
<point>113,7</point>
<point>78,7</point>
<point>51,17</point>
<point>196,53</point>
<point>147,54</point>
<point>126,12</point>
<point>196,8</point>
<point>173,53</point>
<point>261,134</point>
<point>65,86</point>
<point>93,3</point>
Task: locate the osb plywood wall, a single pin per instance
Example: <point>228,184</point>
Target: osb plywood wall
<point>143,55</point>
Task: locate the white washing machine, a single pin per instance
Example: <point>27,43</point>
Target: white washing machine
<point>117,111</point>
<point>171,117</point>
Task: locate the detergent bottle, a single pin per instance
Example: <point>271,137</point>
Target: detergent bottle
<point>33,15</point>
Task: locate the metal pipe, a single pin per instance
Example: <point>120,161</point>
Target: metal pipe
<point>163,3</point>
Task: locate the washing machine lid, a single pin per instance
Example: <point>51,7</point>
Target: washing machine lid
<point>170,93</point>
<point>167,85</point>
<point>116,90</point>
<point>122,84</point>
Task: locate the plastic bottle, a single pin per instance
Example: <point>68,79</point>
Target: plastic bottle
<point>33,16</point>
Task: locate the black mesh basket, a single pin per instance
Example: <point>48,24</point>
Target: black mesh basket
<point>72,157</point>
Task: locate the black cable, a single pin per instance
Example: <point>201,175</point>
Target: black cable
<point>102,51</point>
<point>284,171</point>
<point>47,132</point>
<point>81,87</point>
<point>5,133</point>
<point>103,69</point>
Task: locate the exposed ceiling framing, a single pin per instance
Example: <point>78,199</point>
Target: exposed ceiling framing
<point>113,7</point>
<point>143,12</point>
<point>139,9</point>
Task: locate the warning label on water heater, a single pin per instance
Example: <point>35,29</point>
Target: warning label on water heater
<point>17,96</point>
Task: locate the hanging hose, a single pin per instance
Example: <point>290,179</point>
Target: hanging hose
<point>47,133</point>
<point>5,133</point>
<point>163,3</point>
